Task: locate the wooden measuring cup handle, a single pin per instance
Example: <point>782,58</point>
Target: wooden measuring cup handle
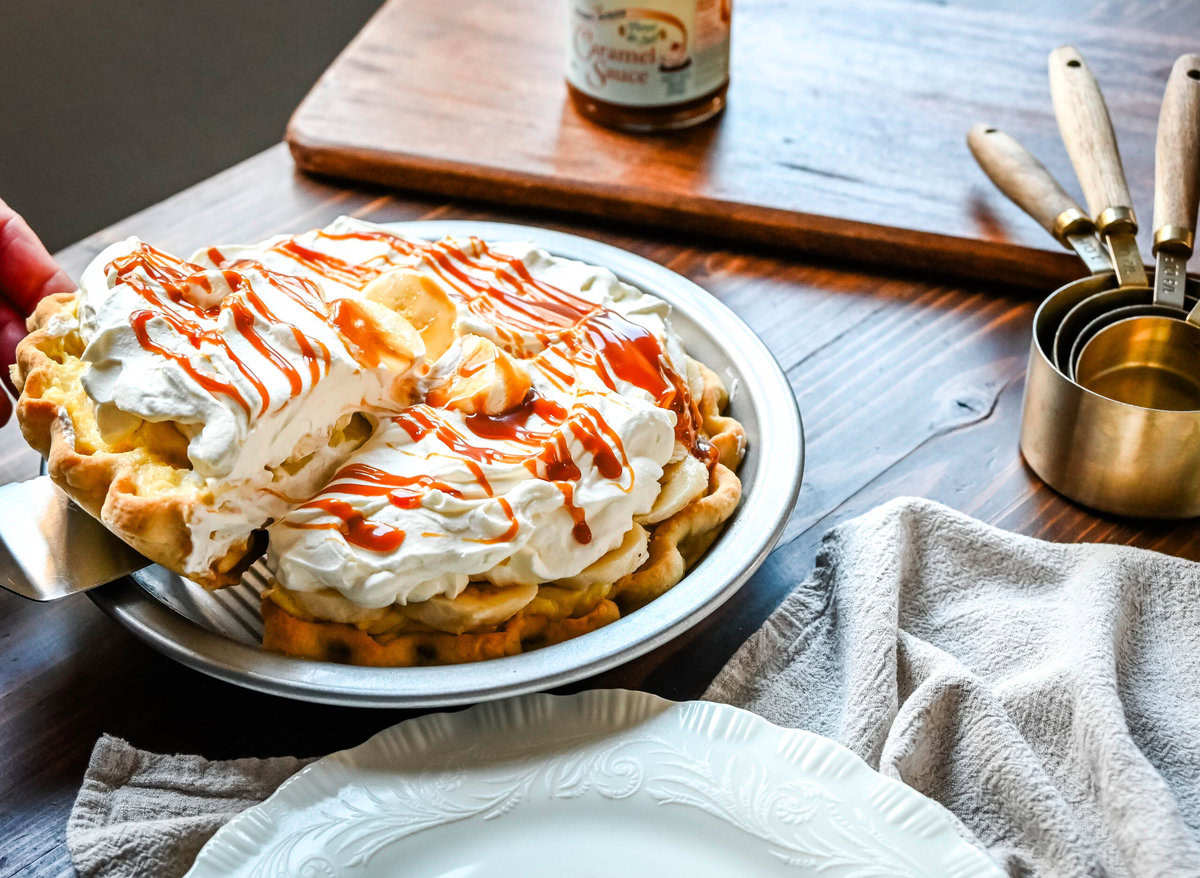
<point>1088,135</point>
<point>1177,159</point>
<point>1025,180</point>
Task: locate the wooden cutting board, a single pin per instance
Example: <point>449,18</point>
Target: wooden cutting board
<point>844,135</point>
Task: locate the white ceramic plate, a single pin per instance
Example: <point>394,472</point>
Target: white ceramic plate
<point>220,632</point>
<point>603,783</point>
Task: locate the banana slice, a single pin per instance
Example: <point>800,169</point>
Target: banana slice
<point>325,604</point>
<point>610,567</point>
<point>487,381</point>
<point>478,606</point>
<point>116,426</point>
<point>557,603</point>
<point>377,336</point>
<point>422,301</point>
<point>682,482</point>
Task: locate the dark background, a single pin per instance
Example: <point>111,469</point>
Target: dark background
<point>107,106</point>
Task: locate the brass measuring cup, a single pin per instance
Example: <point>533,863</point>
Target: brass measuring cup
<point>1099,452</point>
<point>1105,454</point>
<point>1145,361</point>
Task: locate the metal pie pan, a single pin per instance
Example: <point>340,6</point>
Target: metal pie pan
<point>761,399</point>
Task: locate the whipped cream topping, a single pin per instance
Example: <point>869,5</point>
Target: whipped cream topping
<point>438,497</point>
<point>242,347</point>
<point>255,367</point>
<point>223,353</point>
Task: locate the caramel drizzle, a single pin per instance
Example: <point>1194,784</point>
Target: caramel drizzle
<point>492,285</point>
<point>214,385</point>
<point>198,325</point>
<point>616,350</point>
<point>550,457</point>
<point>500,289</point>
<point>364,480</point>
<point>336,269</point>
<point>510,533</point>
<point>353,526</point>
<point>581,531</point>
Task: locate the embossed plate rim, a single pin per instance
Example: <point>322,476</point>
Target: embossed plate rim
<point>763,391</point>
<point>792,801</point>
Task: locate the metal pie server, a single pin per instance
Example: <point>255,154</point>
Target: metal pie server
<point>1088,135</point>
<point>50,548</point>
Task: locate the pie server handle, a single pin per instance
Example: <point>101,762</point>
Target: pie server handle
<point>50,548</point>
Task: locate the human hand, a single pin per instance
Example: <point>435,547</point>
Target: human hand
<point>27,274</point>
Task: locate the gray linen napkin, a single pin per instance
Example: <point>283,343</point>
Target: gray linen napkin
<point>140,814</point>
<point>1047,695</point>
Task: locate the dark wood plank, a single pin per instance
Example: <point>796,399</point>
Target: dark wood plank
<point>907,388</point>
<point>844,134</point>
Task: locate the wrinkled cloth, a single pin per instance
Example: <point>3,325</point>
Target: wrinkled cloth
<point>1047,695</point>
<point>140,814</point>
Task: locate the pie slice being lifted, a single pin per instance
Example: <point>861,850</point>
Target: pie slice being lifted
<point>459,450</point>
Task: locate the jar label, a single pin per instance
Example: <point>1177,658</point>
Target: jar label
<point>658,53</point>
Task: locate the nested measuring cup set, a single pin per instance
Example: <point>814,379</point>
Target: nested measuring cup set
<point>1111,413</point>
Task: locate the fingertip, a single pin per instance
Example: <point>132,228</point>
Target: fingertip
<point>11,333</point>
<point>28,272</point>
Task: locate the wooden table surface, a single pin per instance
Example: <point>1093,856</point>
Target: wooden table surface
<point>853,141</point>
<point>907,385</point>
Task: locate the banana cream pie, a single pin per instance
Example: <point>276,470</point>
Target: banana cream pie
<point>452,450</point>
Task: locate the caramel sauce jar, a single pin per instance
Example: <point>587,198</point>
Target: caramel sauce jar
<point>657,66</point>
